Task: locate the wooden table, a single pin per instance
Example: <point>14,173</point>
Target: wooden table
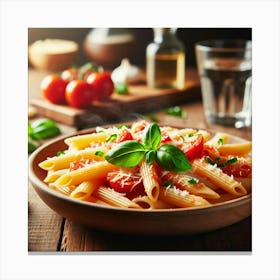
<point>48,232</point>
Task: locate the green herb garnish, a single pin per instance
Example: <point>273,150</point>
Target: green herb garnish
<point>168,185</point>
<point>175,111</point>
<point>230,161</point>
<point>193,181</point>
<point>130,153</point>
<point>111,138</point>
<point>221,141</point>
<point>60,153</point>
<point>99,153</point>
<point>122,126</point>
<point>220,164</point>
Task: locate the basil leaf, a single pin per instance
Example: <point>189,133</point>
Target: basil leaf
<point>150,156</point>
<point>43,122</point>
<point>172,158</point>
<point>42,132</point>
<point>31,147</point>
<point>126,154</point>
<point>152,136</point>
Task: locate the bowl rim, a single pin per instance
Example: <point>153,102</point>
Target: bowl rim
<point>37,183</point>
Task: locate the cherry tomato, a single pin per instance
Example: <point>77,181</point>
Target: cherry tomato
<point>193,149</point>
<point>102,84</point>
<point>69,74</point>
<point>79,94</point>
<point>53,89</point>
<point>125,182</point>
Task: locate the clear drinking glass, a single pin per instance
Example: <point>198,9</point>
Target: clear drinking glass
<point>225,70</point>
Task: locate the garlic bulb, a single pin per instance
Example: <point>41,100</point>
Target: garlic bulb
<point>126,73</point>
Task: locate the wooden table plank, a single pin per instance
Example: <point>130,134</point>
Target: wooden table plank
<point>77,238</point>
<point>44,225</point>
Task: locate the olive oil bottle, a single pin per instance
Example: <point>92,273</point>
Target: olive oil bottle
<point>165,60</point>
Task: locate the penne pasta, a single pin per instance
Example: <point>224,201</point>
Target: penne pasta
<point>114,198</point>
<point>92,172</point>
<point>150,180</point>
<point>85,189</point>
<point>80,142</point>
<point>218,139</point>
<point>54,175</point>
<point>188,183</point>
<point>64,161</point>
<point>216,176</point>
<point>238,149</point>
<point>181,198</point>
<point>145,203</point>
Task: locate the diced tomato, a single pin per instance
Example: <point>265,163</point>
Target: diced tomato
<point>125,135</point>
<point>127,183</point>
<point>239,169</point>
<point>165,137</point>
<point>139,126</point>
<point>194,149</point>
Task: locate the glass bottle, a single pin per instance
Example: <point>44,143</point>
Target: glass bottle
<point>165,60</point>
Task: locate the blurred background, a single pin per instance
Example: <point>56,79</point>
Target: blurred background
<point>142,37</point>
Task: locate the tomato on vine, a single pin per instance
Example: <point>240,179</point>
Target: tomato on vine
<point>53,89</point>
<point>102,84</point>
<point>79,94</point>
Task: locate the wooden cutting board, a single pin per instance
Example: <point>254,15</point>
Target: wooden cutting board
<point>139,100</point>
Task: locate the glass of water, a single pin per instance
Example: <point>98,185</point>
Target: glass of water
<point>225,70</point>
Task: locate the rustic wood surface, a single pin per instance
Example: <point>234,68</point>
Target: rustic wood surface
<point>48,232</point>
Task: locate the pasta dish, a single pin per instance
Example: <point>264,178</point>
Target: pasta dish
<point>147,166</point>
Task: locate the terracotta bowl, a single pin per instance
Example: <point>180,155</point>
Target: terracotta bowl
<point>52,54</point>
<point>132,221</point>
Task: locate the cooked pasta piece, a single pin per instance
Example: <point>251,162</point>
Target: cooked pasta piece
<point>114,198</point>
<point>216,176</point>
<point>150,180</point>
<point>54,175</point>
<point>94,171</point>
<point>62,189</point>
<point>80,142</point>
<point>186,182</point>
<point>63,161</point>
<point>85,189</point>
<point>96,201</point>
<point>145,203</point>
<point>218,139</point>
<point>238,149</point>
<point>179,198</point>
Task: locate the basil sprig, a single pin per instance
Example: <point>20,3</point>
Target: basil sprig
<point>130,153</point>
